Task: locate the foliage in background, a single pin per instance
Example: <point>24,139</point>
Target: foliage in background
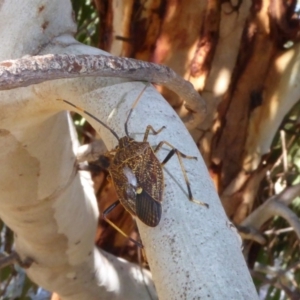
<point>276,265</point>
<point>87,21</point>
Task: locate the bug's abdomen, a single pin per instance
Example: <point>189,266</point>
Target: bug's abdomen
<point>151,176</point>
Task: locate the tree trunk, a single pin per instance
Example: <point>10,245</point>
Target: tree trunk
<point>242,58</point>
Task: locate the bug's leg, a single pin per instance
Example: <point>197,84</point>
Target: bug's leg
<point>133,106</point>
<point>9,259</point>
<point>154,132</point>
<point>89,167</point>
<point>180,155</point>
<point>106,212</point>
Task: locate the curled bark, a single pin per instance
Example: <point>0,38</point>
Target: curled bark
<point>37,69</point>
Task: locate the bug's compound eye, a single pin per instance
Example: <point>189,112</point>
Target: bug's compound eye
<point>103,161</point>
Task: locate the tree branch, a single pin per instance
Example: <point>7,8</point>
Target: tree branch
<point>276,205</point>
<point>36,69</point>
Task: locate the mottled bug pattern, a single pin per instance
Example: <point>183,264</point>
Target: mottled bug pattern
<point>138,178</point>
<point>137,174</point>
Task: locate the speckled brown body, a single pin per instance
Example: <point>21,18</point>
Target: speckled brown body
<point>138,179</point>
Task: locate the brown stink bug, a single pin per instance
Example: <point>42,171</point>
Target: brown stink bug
<point>137,174</point>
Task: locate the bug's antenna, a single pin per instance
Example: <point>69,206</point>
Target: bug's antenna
<point>132,108</point>
<point>89,114</point>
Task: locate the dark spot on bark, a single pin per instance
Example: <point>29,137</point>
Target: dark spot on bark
<point>6,64</point>
<point>236,7</point>
<point>256,6</point>
<point>26,263</point>
<point>41,8</point>
<point>4,132</point>
<point>256,99</point>
<point>45,25</point>
<point>76,66</point>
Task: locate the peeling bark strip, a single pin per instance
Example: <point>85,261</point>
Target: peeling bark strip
<point>284,23</point>
<point>144,27</point>
<point>136,33</point>
<point>258,94</point>
<point>36,69</point>
<point>269,26</point>
<point>206,46</point>
<point>105,11</point>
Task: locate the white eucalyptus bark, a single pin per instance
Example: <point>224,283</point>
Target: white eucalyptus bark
<point>50,206</point>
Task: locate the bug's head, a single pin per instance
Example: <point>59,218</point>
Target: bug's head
<point>124,141</point>
<point>103,161</point>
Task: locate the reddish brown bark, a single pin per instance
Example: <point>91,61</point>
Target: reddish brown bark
<point>193,38</point>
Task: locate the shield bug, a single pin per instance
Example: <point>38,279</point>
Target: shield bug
<point>137,174</point>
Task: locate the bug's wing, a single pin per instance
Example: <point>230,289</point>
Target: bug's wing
<point>147,209</point>
<point>150,175</point>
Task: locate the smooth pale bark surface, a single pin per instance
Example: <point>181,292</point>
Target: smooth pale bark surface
<point>50,207</point>
<point>193,253</point>
<point>192,244</point>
